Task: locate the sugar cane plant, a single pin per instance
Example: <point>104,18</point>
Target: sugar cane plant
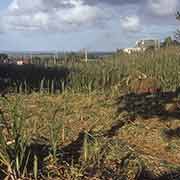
<point>14,153</point>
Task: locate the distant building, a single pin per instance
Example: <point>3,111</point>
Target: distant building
<point>132,50</point>
<point>143,45</point>
<point>19,62</point>
<point>22,61</point>
<point>148,43</point>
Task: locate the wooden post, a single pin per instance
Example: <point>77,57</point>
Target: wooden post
<point>54,59</point>
<point>86,55</point>
<point>157,44</point>
<point>31,59</point>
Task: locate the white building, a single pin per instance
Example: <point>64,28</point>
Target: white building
<point>148,43</point>
<point>20,62</point>
<point>132,50</point>
<point>143,45</point>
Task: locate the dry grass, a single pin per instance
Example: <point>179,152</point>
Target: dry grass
<point>86,124</point>
<point>81,112</point>
<point>146,136</point>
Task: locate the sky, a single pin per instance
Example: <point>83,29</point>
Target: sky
<point>97,25</point>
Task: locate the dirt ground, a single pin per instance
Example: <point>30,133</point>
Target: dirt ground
<point>153,140</point>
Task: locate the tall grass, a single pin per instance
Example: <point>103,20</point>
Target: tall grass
<point>14,153</point>
<point>102,76</point>
<point>55,127</point>
<point>162,64</point>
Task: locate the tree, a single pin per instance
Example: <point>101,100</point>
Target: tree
<point>3,56</point>
<point>178,15</point>
<point>168,41</point>
<point>177,34</point>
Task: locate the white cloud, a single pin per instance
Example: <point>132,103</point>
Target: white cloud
<point>51,15</point>
<point>72,15</point>
<point>163,7</point>
<point>131,23</point>
<point>78,14</point>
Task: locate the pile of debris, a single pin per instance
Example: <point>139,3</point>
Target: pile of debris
<point>147,99</point>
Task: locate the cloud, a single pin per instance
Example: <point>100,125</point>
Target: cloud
<point>131,23</point>
<point>74,15</point>
<point>163,7</point>
<point>113,2</point>
<point>54,15</point>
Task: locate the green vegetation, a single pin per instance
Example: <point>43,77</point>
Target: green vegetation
<point>168,41</point>
<point>162,64</point>
<point>72,127</point>
<point>3,57</point>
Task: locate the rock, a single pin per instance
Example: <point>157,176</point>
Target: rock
<point>171,107</point>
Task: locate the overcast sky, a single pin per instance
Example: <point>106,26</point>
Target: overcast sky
<point>75,24</point>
